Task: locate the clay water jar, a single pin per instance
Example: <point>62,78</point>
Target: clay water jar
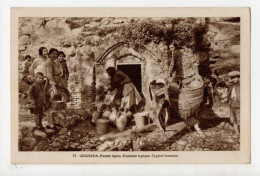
<point>95,115</point>
<point>121,121</point>
<point>106,114</point>
<point>129,114</point>
<point>112,116</point>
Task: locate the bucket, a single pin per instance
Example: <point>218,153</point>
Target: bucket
<point>102,126</point>
<point>58,105</point>
<point>139,120</point>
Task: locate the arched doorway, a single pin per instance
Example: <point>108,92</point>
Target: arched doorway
<point>134,71</point>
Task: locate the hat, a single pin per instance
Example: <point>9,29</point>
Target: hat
<point>234,74</point>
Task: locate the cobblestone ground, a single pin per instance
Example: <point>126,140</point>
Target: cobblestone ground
<point>219,135</point>
<point>80,135</point>
<point>215,139</point>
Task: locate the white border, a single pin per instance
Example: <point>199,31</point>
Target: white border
<point>7,169</point>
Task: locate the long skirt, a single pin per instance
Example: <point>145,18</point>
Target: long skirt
<point>127,96</point>
<point>64,94</point>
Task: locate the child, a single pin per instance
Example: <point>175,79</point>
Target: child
<point>234,100</point>
<point>65,71</point>
<point>26,64</point>
<point>37,97</point>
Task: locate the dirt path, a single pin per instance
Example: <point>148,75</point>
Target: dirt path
<point>81,136</point>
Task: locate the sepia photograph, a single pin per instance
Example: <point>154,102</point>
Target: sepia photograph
<point>130,84</point>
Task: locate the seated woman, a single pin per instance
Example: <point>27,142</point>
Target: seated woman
<point>56,86</point>
<point>127,96</point>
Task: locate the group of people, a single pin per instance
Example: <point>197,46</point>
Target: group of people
<point>50,74</point>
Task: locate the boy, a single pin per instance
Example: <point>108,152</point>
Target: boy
<point>37,97</point>
<point>26,64</point>
<point>234,100</point>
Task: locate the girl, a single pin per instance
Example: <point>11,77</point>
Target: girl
<point>38,64</point>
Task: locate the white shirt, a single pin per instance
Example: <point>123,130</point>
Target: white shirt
<point>233,93</point>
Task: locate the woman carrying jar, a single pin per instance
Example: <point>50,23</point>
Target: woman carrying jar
<point>56,88</point>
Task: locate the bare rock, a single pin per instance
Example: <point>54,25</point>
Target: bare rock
<point>73,145</point>
<point>39,133</point>
<point>50,132</point>
<point>94,140</point>
<point>235,49</point>
<point>182,142</point>
<point>27,30</point>
<point>73,122</point>
<point>63,131</point>
<point>109,143</point>
<point>25,148</point>
<point>117,142</point>
<point>71,52</point>
<point>66,43</point>
<point>105,21</point>
<point>29,142</point>
<point>102,147</point>
<point>102,138</point>
<point>56,144</point>
<point>180,148</point>
<point>62,136</point>
<point>22,47</point>
<point>23,40</point>
<point>118,21</point>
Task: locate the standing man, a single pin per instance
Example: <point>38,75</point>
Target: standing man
<point>234,99</point>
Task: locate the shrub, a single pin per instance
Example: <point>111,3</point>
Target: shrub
<point>182,32</point>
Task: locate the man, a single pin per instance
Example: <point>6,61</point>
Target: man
<point>234,99</point>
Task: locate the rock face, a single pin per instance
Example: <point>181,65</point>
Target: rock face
<point>89,40</point>
<point>225,44</point>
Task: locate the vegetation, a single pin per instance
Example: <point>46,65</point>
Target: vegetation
<point>180,32</point>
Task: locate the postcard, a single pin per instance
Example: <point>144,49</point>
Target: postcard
<point>130,85</point>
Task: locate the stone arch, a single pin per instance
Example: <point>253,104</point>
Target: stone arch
<point>123,43</point>
<point>130,54</point>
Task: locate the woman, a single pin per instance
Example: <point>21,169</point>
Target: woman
<point>56,86</point>
<point>127,95</point>
<point>64,67</point>
<point>38,64</point>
